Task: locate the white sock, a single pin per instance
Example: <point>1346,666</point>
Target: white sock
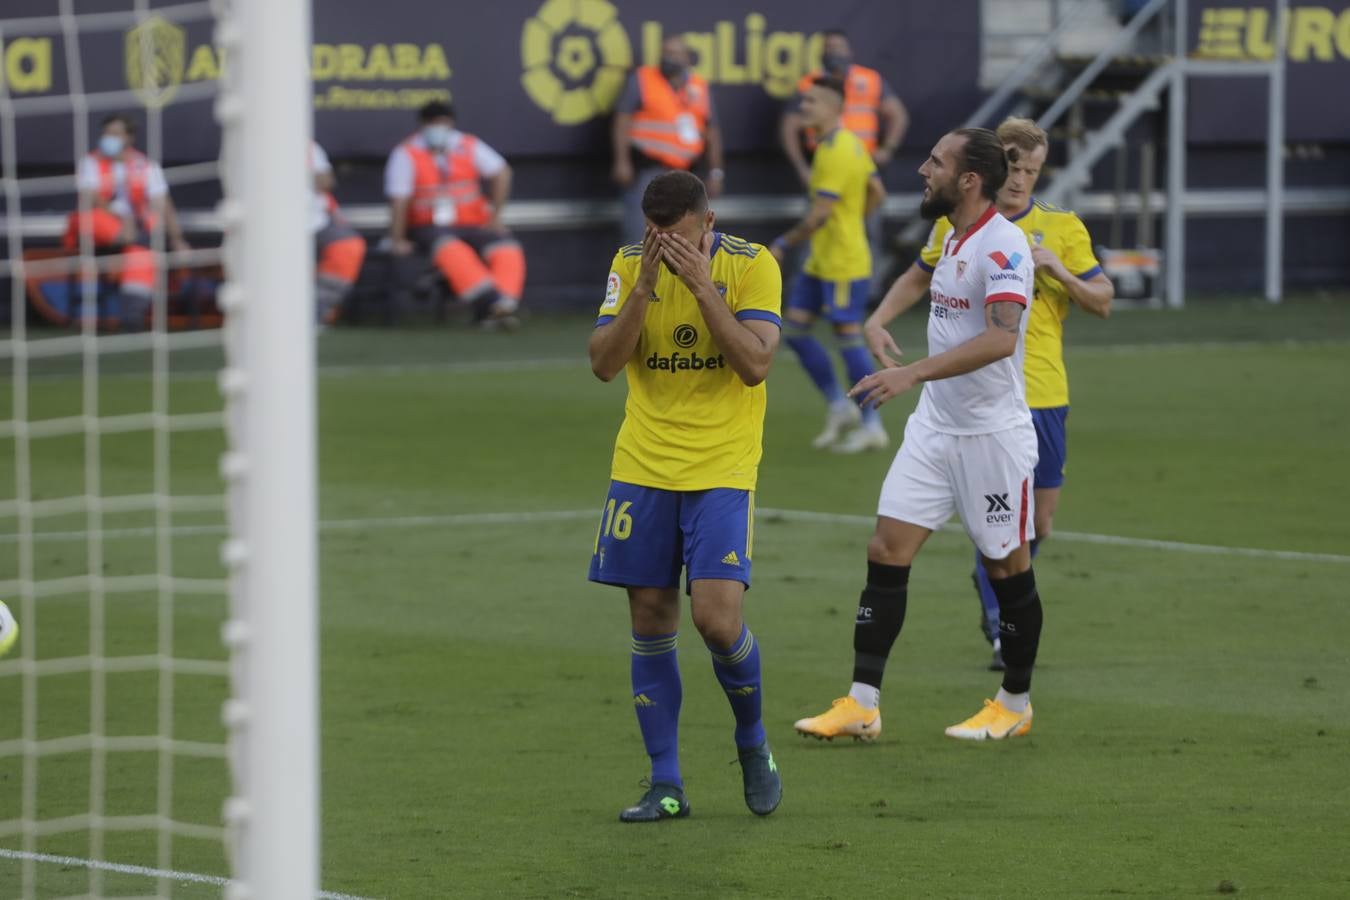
<point>1018,703</point>
<point>841,406</point>
<point>868,697</point>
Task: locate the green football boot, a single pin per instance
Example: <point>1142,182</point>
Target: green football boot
<point>662,801</point>
<point>759,775</point>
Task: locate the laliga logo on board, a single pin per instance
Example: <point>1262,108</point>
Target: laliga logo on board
<point>576,56</point>
<point>156,55</point>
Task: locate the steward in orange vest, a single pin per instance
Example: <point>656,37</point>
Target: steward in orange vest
<point>339,250</point>
<point>123,197</point>
<point>872,110</point>
<point>664,121</point>
<point>434,181</point>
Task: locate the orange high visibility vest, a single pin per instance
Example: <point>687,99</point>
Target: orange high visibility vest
<point>447,187</point>
<point>670,125</point>
<point>862,100</point>
<point>136,171</point>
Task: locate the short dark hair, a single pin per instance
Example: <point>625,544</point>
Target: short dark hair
<point>829,83</point>
<point>435,109</point>
<point>124,118</point>
<point>671,196</point>
<point>983,154</point>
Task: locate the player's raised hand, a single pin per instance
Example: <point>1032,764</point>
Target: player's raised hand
<point>884,349</point>
<point>650,266</point>
<point>881,386</point>
<point>1046,259</point>
<point>689,263</point>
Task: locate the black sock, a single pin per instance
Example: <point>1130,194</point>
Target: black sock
<point>881,615</point>
<point>1019,628</point>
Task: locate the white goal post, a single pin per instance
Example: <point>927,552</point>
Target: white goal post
<point>265,114</point>
<point>67,817</point>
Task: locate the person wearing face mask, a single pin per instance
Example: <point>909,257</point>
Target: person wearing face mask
<point>434,181</point>
<point>872,111</point>
<point>664,121</point>
<point>123,198</point>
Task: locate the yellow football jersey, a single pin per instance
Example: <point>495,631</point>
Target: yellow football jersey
<point>690,423</point>
<point>841,169</point>
<point>1063,233</point>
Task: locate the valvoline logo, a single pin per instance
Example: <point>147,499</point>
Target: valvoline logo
<point>1004,262</point>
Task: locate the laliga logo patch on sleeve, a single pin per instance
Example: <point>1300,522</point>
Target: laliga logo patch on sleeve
<point>612,291</point>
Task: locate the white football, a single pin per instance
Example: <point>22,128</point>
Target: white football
<point>9,629</point>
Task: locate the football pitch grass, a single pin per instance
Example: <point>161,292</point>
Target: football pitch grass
<point>1192,734</point>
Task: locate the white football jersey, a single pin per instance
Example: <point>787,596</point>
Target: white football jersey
<point>992,263</point>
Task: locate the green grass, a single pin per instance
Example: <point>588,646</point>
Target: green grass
<point>1193,726</point>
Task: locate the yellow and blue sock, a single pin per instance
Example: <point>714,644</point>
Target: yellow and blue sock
<point>817,363</point>
<point>858,364</point>
<point>737,670</point>
<point>657,694</point>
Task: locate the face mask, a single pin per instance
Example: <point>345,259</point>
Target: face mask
<point>672,68</point>
<point>436,136</point>
<point>110,145</point>
<point>836,63</point>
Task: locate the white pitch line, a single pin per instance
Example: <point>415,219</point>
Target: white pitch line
<point>142,871</point>
<point>796,515</point>
<point>378,522</point>
<point>453,368</point>
<point>1164,346</point>
<point>568,362</point>
<point>766,514</point>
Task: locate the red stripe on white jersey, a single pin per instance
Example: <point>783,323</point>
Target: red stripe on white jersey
<point>1022,520</point>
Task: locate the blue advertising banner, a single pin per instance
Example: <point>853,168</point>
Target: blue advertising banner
<point>535,78</point>
<point>1233,110</point>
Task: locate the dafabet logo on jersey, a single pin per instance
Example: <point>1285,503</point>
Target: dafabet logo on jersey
<point>685,336</point>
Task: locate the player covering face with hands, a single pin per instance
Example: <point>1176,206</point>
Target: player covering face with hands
<point>692,317</point>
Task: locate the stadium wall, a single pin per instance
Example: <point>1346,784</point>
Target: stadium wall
<point>537,77</point>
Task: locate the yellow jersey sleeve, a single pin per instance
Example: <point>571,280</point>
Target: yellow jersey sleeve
<point>623,271</point>
<point>1077,246</point>
<point>932,251</point>
<point>759,293</point>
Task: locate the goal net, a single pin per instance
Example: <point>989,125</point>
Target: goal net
<point>158,717</point>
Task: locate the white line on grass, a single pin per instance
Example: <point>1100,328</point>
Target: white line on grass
<point>568,362</point>
<point>143,871</point>
<point>797,515</point>
<point>765,514</point>
<point>1164,346</point>
<point>454,368</point>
